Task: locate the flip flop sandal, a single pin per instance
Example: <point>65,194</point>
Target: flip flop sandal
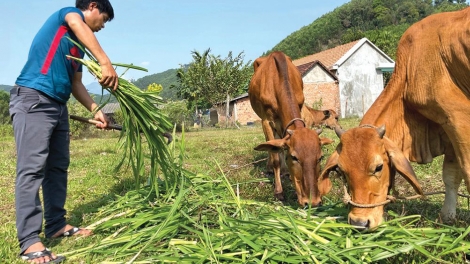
<point>70,232</point>
<point>39,254</point>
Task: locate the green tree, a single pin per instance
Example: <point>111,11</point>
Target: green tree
<point>210,79</point>
<point>178,113</point>
<point>192,80</point>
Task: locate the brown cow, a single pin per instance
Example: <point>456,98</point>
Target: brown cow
<point>276,95</point>
<point>317,118</point>
<point>426,112</point>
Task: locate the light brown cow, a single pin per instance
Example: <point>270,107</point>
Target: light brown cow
<point>426,112</point>
<point>276,95</point>
<point>317,118</point>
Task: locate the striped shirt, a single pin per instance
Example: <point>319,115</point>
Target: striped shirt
<point>48,69</point>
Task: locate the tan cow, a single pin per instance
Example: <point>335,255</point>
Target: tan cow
<point>426,112</point>
<point>316,118</point>
<point>276,95</point>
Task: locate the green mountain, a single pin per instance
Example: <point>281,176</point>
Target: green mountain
<point>6,88</point>
<point>381,21</point>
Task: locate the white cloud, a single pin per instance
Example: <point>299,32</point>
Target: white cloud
<point>145,63</point>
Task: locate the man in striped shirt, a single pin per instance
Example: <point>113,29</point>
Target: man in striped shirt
<point>40,121</point>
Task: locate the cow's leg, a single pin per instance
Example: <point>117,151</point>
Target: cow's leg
<point>274,160</point>
<point>269,164</point>
<point>278,192</point>
<point>452,177</point>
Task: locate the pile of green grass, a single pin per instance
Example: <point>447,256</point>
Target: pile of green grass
<point>203,219</point>
<point>200,224</point>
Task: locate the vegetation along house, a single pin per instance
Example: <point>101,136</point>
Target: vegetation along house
<point>347,78</point>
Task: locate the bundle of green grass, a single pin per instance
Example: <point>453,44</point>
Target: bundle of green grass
<point>143,121</point>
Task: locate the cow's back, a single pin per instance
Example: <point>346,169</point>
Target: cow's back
<point>276,88</point>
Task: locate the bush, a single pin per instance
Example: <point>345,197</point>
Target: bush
<point>317,105</point>
<point>6,130</point>
<point>178,113</point>
<point>77,128</point>
<point>118,118</point>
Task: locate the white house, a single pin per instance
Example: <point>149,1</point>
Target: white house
<point>358,67</point>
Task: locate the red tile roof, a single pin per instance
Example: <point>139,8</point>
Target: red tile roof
<point>304,68</point>
<point>327,57</point>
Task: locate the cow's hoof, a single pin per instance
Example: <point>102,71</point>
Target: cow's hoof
<point>279,196</point>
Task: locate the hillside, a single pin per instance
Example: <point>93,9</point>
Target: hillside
<point>167,79</point>
<point>381,21</point>
<point>6,88</point>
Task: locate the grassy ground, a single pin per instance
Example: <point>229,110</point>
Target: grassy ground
<point>93,182</point>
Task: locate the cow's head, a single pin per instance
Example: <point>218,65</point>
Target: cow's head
<point>368,160</point>
<point>331,119</point>
<point>303,159</point>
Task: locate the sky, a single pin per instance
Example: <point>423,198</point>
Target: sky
<point>160,34</point>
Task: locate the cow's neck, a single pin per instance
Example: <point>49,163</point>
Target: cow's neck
<point>403,124</point>
<point>388,110</point>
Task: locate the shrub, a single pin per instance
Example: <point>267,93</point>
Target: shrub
<point>6,130</point>
<point>78,129</point>
<point>178,113</point>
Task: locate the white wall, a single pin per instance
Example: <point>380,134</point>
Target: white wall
<point>317,75</point>
<point>360,83</point>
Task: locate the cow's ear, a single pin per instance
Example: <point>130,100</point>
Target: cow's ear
<point>402,165</point>
<point>275,145</point>
<point>324,182</point>
<point>258,62</point>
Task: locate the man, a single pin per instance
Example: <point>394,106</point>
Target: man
<point>40,121</point>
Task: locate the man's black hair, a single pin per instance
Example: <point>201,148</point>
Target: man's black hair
<point>103,5</point>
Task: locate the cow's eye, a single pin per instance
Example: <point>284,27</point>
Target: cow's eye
<point>294,158</point>
<point>378,168</point>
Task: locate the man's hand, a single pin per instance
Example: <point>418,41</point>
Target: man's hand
<point>109,77</point>
<point>100,116</point>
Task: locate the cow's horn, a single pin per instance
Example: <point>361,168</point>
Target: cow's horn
<point>338,131</point>
<point>381,131</point>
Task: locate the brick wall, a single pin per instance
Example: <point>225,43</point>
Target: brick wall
<point>327,92</point>
<point>245,112</point>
